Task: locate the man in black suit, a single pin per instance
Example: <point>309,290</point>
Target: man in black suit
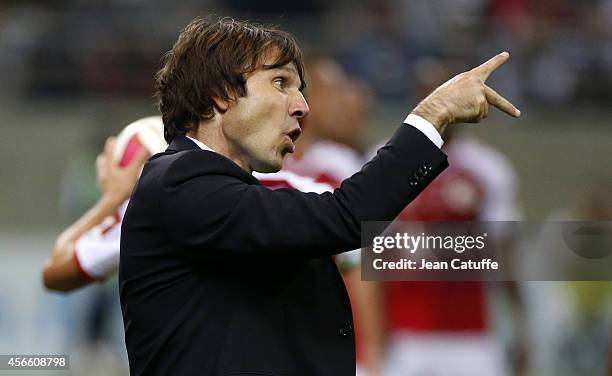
<point>222,276</point>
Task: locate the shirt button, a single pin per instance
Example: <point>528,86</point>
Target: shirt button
<point>412,183</point>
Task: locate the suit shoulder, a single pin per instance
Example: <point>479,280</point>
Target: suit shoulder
<point>178,167</point>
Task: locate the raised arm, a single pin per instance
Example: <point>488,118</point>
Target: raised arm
<point>218,212</point>
<point>62,271</point>
<point>207,206</point>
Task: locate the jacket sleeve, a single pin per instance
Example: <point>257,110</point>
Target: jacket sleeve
<point>218,212</point>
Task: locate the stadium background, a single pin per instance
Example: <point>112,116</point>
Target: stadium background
<point>74,72</point>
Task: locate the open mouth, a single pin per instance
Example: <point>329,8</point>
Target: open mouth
<point>294,134</point>
<point>291,137</point>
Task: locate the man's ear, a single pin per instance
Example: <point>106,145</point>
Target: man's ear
<point>220,104</point>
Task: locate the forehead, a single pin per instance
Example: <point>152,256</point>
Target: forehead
<point>274,61</point>
<point>288,68</point>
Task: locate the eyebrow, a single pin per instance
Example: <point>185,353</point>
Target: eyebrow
<point>288,70</point>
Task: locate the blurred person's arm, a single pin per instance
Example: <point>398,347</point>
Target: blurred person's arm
<point>368,307</point>
<point>62,271</point>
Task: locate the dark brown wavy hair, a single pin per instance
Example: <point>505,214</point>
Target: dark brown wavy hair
<point>212,59</point>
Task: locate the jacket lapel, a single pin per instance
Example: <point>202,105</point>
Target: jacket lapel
<point>182,143</point>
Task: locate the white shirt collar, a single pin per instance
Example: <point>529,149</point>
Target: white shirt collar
<point>200,144</point>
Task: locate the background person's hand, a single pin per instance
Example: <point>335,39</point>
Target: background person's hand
<point>116,182</point>
<point>465,98</point>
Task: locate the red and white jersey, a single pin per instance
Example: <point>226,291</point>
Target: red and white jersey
<point>326,161</point>
<point>289,179</point>
<point>479,184</point>
<point>97,251</point>
<point>494,174</point>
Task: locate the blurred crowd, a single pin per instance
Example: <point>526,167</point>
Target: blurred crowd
<point>75,48</point>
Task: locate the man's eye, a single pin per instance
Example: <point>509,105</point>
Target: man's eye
<point>279,81</point>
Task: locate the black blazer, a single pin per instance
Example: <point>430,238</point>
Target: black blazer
<point>220,275</point>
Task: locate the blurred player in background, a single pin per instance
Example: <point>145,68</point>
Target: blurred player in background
<point>444,327</point>
<point>329,149</point>
<point>88,250</point>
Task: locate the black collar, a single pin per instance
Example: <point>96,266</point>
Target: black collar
<point>180,143</point>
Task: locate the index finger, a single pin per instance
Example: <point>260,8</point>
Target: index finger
<point>500,102</point>
<point>486,68</point>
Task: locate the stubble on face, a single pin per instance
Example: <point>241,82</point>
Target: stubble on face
<point>256,126</point>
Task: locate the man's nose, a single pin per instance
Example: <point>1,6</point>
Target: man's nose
<point>298,107</point>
